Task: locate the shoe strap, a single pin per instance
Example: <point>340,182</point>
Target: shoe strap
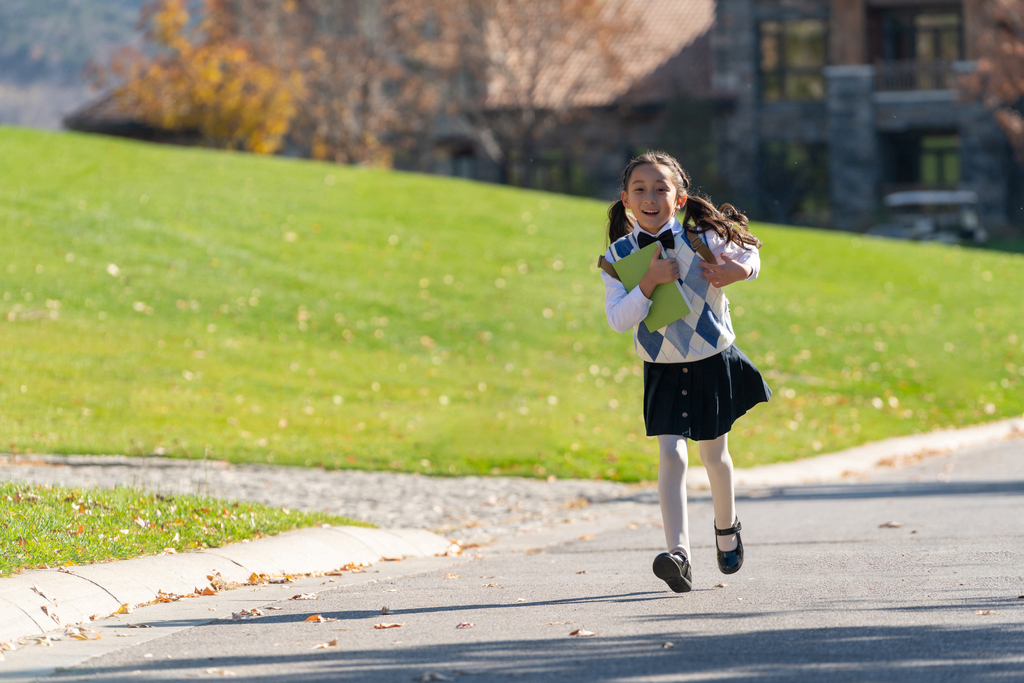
<point>735,528</point>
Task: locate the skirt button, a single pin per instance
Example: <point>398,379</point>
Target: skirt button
<point>686,370</point>
<point>686,415</point>
<point>684,392</point>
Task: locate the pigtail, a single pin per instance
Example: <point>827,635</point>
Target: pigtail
<point>619,223</point>
<point>726,221</point>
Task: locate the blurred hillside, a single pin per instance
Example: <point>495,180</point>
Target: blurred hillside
<point>45,44</point>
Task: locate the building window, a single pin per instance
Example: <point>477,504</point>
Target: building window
<point>794,183</point>
<point>792,59</point>
<point>913,161</point>
<point>913,48</point>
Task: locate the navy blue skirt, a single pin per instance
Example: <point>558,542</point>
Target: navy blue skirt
<point>701,400</point>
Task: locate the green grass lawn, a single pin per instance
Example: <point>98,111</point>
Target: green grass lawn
<point>160,299</point>
<point>43,526</point>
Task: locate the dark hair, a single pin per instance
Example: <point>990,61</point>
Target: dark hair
<point>699,214</point>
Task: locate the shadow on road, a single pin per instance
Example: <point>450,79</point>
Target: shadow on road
<point>852,491</point>
<point>783,654</point>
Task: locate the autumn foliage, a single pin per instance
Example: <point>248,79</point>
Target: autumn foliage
<point>204,80</point>
<point>358,82</point>
<point>999,77</point>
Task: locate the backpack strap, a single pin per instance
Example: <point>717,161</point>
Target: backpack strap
<point>607,267</point>
<point>698,245</point>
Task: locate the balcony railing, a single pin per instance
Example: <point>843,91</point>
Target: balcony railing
<point>914,75</point>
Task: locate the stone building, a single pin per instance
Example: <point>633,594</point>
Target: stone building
<point>828,105</point>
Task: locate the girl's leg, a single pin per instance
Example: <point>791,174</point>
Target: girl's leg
<point>672,492</point>
<point>718,463</point>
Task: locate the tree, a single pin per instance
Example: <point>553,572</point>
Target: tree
<point>359,82</point>
<point>528,67</point>
<point>999,77</point>
<point>204,79</point>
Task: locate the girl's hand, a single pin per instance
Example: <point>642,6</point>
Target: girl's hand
<point>661,271</point>
<point>729,272</point>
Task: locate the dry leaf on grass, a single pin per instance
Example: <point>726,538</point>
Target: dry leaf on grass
<point>582,633</point>
<point>389,625</point>
<point>305,596</point>
<point>324,646</point>
<point>890,525</point>
<point>465,624</point>
<point>319,618</point>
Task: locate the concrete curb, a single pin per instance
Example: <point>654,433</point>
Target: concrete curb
<point>862,459</point>
<point>76,594</point>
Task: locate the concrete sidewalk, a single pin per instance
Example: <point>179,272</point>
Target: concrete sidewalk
<point>48,600</point>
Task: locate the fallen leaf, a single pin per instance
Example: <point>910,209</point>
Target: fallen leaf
<point>432,676</point>
<point>582,633</point>
<point>890,525</point>
<point>987,611</point>
<point>389,625</point>
<point>319,618</point>
<point>493,585</point>
<point>587,537</point>
<point>220,672</point>
<point>721,585</point>
<point>138,626</point>
<point>385,610</point>
<point>329,643</point>
<point>8,646</point>
<point>390,590</point>
<point>449,575</point>
<point>668,645</point>
<point>51,614</point>
<point>273,608</point>
<point>520,599</point>
<point>465,624</point>
<point>206,591</point>
<point>283,579</point>
<point>124,609</point>
<point>582,571</point>
<point>305,596</point>
<point>42,594</point>
<point>248,614</point>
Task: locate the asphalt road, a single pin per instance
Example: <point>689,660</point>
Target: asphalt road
<point>914,574</point>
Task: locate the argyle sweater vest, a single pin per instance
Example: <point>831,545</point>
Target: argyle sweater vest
<point>707,329</point>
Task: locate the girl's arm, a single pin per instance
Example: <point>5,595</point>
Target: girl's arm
<point>734,262</point>
<point>624,309</point>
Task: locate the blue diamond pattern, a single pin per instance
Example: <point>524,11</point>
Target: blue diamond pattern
<point>623,247</point>
<point>694,280</point>
<point>678,334</point>
<point>651,341</point>
<point>709,327</point>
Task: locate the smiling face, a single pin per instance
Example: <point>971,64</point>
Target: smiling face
<point>652,196</point>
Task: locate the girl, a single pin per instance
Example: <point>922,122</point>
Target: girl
<point>696,382</point>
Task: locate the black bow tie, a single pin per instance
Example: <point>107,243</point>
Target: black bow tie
<point>667,239</point>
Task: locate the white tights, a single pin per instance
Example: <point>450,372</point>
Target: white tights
<point>672,489</point>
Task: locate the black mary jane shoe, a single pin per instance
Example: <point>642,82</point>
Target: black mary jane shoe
<point>730,561</point>
<point>675,571</point>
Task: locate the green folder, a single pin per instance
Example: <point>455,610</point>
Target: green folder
<point>667,302</point>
